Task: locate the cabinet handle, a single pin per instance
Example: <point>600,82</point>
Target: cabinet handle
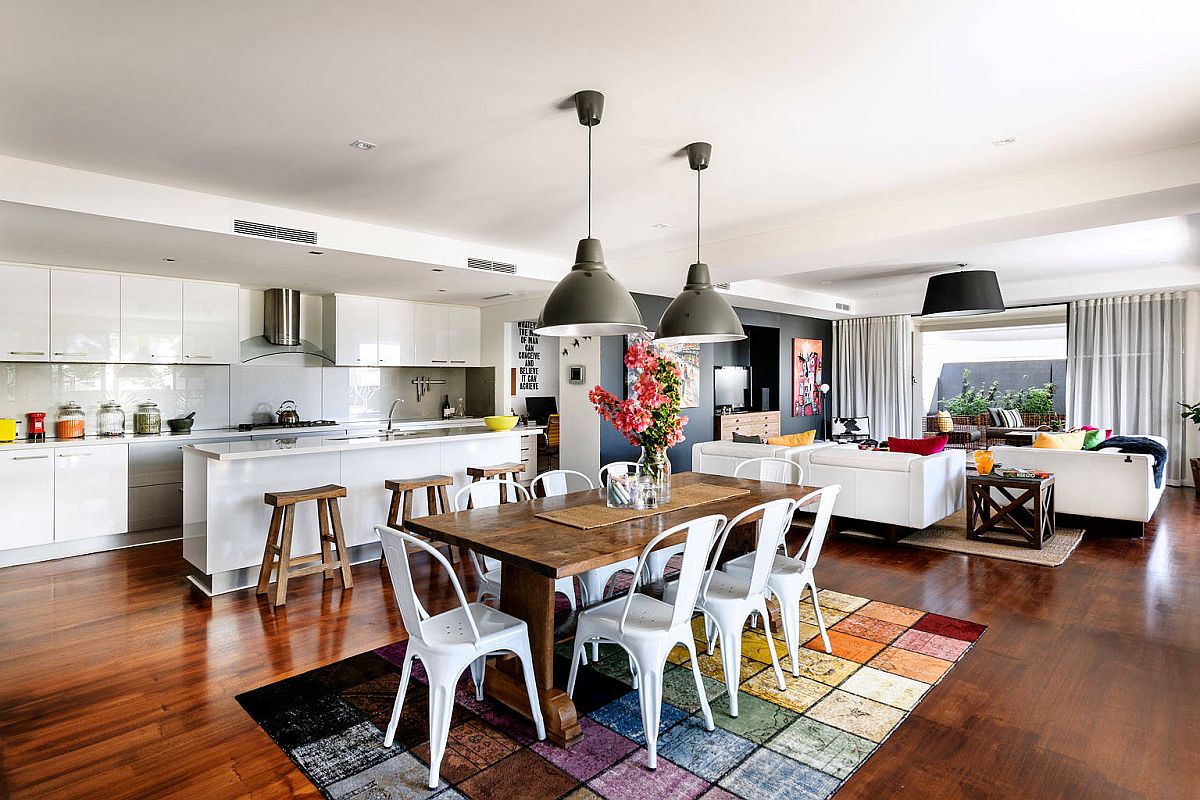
<point>29,458</point>
<point>197,356</point>
<point>438,361</point>
<point>26,352</point>
<point>73,455</point>
<point>458,361</point>
<point>70,354</point>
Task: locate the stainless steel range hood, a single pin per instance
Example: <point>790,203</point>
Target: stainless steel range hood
<point>281,329</point>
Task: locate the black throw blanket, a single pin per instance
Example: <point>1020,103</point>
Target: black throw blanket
<point>1140,444</point>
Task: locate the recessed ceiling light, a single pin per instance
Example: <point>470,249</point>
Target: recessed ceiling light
<point>316,252</point>
<point>498,296</point>
<point>826,283</point>
<point>436,269</point>
<point>1007,140</point>
<point>441,290</point>
<point>661,225</point>
<point>360,144</point>
<point>168,259</point>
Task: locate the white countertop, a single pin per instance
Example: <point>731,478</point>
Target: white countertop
<point>284,445</point>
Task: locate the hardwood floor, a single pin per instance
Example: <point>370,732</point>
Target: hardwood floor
<point>117,680</point>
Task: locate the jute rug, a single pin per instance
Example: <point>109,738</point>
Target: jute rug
<point>599,515</point>
<point>951,534</point>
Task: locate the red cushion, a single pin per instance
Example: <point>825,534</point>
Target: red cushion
<point>922,447</point>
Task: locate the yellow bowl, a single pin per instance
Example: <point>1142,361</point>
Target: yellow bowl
<point>505,423</point>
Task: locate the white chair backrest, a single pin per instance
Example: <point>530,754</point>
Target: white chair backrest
<point>395,551</point>
<point>558,482</point>
<point>825,498</point>
<point>620,467</point>
<point>775,520</point>
<point>701,533</point>
<point>483,494</point>
<point>775,470</point>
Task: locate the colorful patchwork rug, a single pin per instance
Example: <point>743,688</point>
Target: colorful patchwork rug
<point>804,742</point>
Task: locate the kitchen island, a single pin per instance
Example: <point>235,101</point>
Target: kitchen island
<point>225,520</point>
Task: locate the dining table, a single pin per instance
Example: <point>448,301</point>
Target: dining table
<point>534,551</point>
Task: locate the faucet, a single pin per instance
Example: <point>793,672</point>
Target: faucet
<point>392,412</point>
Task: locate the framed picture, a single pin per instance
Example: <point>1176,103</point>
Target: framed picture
<point>687,356</point>
<point>806,377</point>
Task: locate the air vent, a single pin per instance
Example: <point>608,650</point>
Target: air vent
<point>274,232</point>
<point>498,296</point>
<point>491,266</point>
<point>842,306</point>
<point>724,286</point>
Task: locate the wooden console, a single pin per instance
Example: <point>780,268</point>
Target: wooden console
<point>749,423</point>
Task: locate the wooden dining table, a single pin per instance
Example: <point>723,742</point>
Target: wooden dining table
<point>535,552</point>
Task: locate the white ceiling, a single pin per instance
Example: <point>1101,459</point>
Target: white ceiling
<point>815,111</point>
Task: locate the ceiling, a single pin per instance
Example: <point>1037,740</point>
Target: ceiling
<point>815,111</point>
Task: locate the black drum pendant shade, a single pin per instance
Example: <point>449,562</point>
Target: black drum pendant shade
<point>699,313</point>
<point>589,301</point>
<point>961,293</point>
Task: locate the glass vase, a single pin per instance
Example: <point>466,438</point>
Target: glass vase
<point>654,474</point>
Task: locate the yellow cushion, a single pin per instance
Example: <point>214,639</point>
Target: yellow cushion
<point>1060,441</point>
<point>799,439</point>
<point>945,422</point>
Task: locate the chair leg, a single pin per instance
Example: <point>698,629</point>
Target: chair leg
<point>789,615</point>
<point>268,561</point>
<point>650,694</point>
<point>478,666</point>
<point>285,555</point>
<point>535,704</point>
<point>704,707</point>
<point>441,706</point>
<point>771,646</point>
<point>633,672</point>
<point>710,633</point>
<point>398,706</point>
<point>820,618</point>
<point>731,662</point>
<point>576,652</point>
<point>335,516</point>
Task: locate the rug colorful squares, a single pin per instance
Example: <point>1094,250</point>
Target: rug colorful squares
<point>803,742</point>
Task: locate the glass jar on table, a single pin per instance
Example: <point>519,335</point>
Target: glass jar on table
<point>110,421</point>
<point>147,419</point>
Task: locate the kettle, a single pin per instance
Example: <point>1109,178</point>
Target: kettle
<point>287,413</point>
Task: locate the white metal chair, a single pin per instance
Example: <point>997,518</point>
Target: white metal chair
<point>647,628</point>
<point>792,574</point>
<point>557,482</point>
<point>483,494</point>
<point>622,467</point>
<point>448,643</point>
<point>774,470</point>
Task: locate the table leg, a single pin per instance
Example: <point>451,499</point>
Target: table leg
<point>530,596</point>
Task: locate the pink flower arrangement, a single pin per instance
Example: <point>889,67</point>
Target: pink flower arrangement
<point>650,417</point>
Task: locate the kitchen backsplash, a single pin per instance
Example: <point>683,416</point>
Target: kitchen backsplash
<point>227,395</point>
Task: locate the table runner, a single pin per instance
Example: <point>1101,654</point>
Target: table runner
<point>598,515</point>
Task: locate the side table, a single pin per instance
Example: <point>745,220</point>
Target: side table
<point>1016,511</point>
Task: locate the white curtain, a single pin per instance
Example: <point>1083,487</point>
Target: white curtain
<point>1126,368</point>
<point>872,372</point>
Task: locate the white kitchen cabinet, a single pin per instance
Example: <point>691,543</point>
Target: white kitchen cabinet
<point>462,335</point>
<point>26,498</point>
<point>429,334</point>
<point>91,491</point>
<point>351,323</point>
<point>151,320</point>
<point>446,335</point>
<point>210,323</point>
<point>85,316</point>
<point>25,334</point>
<point>397,324</point>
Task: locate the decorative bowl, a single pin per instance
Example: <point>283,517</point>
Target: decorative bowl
<point>505,423</point>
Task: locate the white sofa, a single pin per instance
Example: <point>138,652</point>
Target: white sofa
<point>1094,483</point>
<point>722,458</point>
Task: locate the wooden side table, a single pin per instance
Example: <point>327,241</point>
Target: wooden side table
<point>1022,515</point>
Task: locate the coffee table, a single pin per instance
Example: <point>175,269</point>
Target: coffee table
<point>1016,511</point>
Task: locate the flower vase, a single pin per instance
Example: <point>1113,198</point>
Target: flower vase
<point>654,474</point>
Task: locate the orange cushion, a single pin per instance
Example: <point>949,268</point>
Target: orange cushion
<point>1060,441</point>
<point>794,439</point>
<point>945,422</point>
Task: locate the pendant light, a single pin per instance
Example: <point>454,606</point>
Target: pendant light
<point>589,301</point>
<point>957,294</point>
<point>699,313</point>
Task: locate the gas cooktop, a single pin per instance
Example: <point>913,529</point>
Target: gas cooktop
<point>304,423</point>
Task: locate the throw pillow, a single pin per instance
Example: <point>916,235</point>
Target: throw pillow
<point>1093,437</point>
<point>945,422</point>
<point>922,447</point>
<point>994,413</point>
<point>1060,441</point>
<point>1011,418</point>
<point>793,439</point>
<point>742,439</point>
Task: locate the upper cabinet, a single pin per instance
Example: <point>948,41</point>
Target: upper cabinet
<point>210,323</point>
<point>447,335</point>
<point>25,334</point>
<point>462,335</point>
<point>351,324</point>
<point>151,320</point>
<point>397,324</point>
<point>85,316</point>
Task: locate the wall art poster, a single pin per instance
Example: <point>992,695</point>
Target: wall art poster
<point>687,356</point>
<point>806,377</point>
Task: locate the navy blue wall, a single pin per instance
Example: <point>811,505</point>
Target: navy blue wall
<point>614,447</point>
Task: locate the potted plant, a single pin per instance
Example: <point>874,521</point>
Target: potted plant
<point>649,418</point>
<point>1192,414</point>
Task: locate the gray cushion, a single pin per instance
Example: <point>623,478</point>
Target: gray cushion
<point>740,439</point>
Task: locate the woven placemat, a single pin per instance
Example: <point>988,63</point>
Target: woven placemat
<point>598,515</point>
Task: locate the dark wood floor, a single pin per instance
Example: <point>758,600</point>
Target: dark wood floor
<point>117,680</point>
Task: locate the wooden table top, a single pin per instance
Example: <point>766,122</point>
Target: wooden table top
<point>512,533</point>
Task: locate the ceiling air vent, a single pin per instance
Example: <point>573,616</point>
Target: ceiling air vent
<point>724,286</point>
<point>842,306</point>
<point>274,232</point>
<point>491,266</point>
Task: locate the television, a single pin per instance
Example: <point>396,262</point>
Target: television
<point>540,408</point>
<point>731,388</point>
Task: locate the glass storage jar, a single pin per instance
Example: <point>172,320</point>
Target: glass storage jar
<point>70,422</point>
<point>111,419</point>
<point>147,419</point>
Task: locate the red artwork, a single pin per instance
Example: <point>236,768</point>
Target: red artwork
<point>806,377</point>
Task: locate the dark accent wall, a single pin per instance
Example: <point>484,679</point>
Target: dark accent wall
<point>614,447</point>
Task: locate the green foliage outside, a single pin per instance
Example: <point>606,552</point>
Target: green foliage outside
<point>974,399</point>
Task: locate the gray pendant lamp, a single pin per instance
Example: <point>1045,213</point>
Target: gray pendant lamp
<point>699,313</point>
<point>959,294</point>
<point>589,301</point>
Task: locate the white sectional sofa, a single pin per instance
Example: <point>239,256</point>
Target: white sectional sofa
<point>1094,483</point>
<point>722,458</point>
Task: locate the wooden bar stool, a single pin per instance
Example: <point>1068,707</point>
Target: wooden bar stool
<point>512,470</point>
<point>436,498</point>
<point>277,555</point>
